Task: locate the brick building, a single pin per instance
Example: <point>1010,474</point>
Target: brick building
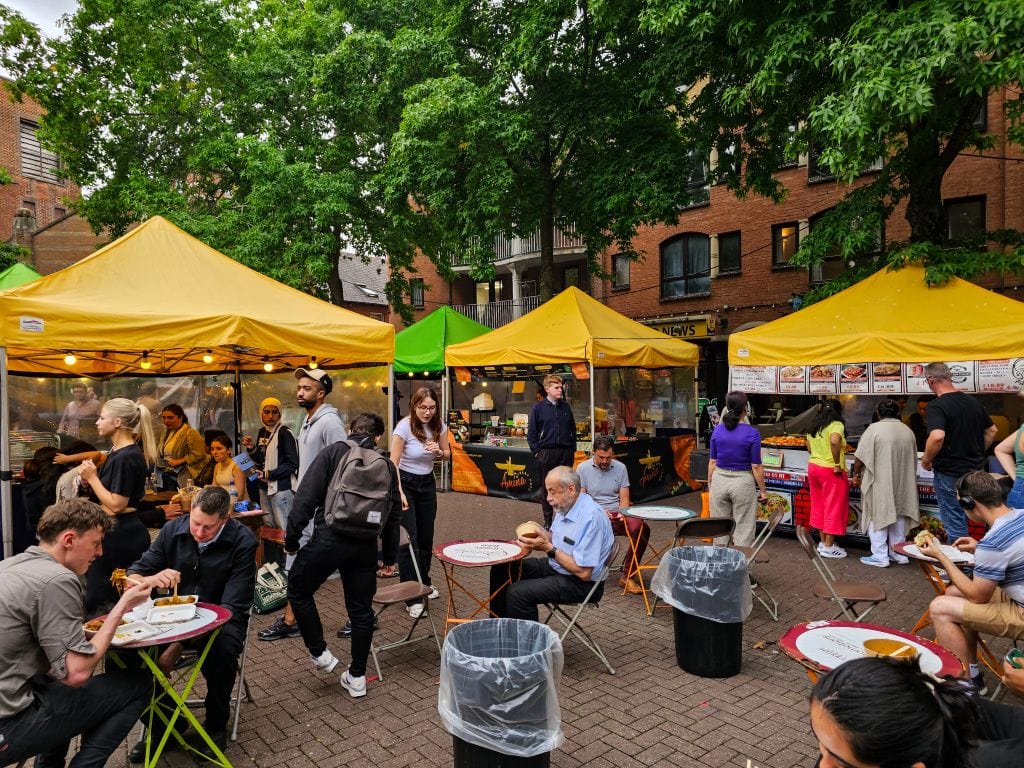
<point>723,265</point>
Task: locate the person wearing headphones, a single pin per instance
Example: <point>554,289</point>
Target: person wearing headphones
<point>993,601</point>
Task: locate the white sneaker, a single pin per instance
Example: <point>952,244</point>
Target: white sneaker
<point>835,552</point>
<point>821,547</point>
<point>882,562</point>
<point>434,594</point>
<point>415,611</point>
<point>356,686</point>
<point>325,662</point>
<point>899,559</point>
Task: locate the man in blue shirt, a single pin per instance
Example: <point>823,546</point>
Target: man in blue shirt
<point>577,547</point>
<point>551,434</point>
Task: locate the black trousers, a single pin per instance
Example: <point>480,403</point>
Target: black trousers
<point>356,561</point>
<point>533,583</point>
<point>418,520</point>
<point>548,459</point>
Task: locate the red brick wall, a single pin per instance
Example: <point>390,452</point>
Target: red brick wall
<point>63,243</point>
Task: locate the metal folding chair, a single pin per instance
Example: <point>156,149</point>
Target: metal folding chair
<point>398,594</point>
<point>572,624</point>
<point>241,685</point>
<point>754,556</point>
<point>705,528</point>
<point>845,594</point>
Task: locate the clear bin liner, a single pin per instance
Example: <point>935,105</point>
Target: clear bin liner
<point>707,582</point>
<point>499,686</point>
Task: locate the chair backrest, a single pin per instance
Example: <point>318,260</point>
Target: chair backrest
<point>705,528</point>
<point>766,533</point>
<point>803,535</point>
<point>603,573</point>
<point>403,542</point>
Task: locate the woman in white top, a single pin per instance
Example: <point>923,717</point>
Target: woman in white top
<point>420,439</point>
<point>226,473</point>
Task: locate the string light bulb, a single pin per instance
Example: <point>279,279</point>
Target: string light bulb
<point>267,365</point>
<point>313,364</point>
<point>208,357</point>
<point>146,363</point>
<point>70,359</point>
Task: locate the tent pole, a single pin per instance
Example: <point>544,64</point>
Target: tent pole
<point>593,412</point>
<point>5,458</point>
<point>392,383</point>
<point>236,386</point>
<point>445,400</point>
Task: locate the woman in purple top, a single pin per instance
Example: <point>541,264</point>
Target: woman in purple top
<point>735,474</point>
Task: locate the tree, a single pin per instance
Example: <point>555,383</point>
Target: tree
<point>542,115</point>
<point>854,81</point>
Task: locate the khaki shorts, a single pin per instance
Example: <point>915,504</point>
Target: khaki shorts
<point>1000,616</point>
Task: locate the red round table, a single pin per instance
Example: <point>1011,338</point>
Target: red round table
<point>473,554</point>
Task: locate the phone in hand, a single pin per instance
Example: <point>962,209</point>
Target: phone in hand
<point>1015,658</point>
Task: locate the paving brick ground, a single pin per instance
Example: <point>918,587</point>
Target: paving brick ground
<point>650,713</point>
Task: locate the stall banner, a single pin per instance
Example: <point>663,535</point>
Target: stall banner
<point>868,378</point>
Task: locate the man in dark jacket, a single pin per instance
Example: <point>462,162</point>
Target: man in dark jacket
<point>208,554</point>
<point>551,435</point>
<point>352,553</point>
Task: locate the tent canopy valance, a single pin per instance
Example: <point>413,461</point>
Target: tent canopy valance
<point>420,347</point>
<point>573,328</point>
<point>892,316</point>
<point>161,293</point>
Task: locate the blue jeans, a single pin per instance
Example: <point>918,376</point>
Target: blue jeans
<point>1016,498</point>
<point>950,512</point>
<point>103,711</point>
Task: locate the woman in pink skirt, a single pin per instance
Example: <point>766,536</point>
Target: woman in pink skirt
<point>826,475</point>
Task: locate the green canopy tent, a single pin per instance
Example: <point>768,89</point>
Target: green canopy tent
<point>17,274</point>
<point>419,349</point>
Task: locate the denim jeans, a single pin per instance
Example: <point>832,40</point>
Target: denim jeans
<point>103,711</point>
<point>952,515</point>
<point>418,520</point>
<point>277,507</point>
<point>1016,498</point>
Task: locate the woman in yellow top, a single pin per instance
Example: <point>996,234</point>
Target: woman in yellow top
<point>826,475</point>
<point>182,451</point>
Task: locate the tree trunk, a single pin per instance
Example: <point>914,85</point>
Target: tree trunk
<point>924,177</point>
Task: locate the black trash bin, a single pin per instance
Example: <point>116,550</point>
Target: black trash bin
<point>498,694</point>
<point>709,591</point>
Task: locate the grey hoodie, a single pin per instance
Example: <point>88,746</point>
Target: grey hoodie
<point>318,431</point>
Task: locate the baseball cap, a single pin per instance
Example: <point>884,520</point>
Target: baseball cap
<point>317,374</point>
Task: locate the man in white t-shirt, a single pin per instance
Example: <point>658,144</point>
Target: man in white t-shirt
<point>606,480</point>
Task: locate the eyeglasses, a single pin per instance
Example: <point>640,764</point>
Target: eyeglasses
<point>269,411</point>
<point>426,407</point>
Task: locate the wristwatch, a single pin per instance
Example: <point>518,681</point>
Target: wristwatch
<point>552,552</point>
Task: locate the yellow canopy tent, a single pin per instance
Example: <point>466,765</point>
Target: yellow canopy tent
<point>574,328</point>
<point>890,317</point>
<point>161,297</point>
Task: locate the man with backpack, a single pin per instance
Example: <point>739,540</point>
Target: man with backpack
<point>353,492</point>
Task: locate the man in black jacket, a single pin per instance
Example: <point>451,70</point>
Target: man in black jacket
<point>551,435</point>
<point>208,554</point>
<point>352,553</point>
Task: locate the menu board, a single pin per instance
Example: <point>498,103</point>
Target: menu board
<point>876,378</point>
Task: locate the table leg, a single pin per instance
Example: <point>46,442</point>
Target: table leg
<point>452,616</point>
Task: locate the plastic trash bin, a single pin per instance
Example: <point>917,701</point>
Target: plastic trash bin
<point>498,694</point>
<point>709,590</point>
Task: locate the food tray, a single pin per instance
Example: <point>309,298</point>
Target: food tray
<point>90,631</point>
<point>954,554</point>
<point>172,614</point>
<point>133,632</point>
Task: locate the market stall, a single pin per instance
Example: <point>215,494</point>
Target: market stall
<point>158,302</point>
<point>872,341</point>
<point>616,371</point>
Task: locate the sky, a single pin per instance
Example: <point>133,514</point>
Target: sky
<point>43,13</point>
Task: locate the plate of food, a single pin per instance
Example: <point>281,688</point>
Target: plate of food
<point>887,369</point>
<point>93,626</point>
<point>792,372</point>
<point>851,372</point>
<point>171,610</point>
<point>954,554</point>
<point>133,632</point>
<point>823,372</point>
<point>775,502</point>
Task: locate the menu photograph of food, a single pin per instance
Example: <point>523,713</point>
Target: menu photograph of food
<point>793,379</point>
<point>916,381</point>
<point>853,378</point>
<point>823,379</point>
<point>886,378</point>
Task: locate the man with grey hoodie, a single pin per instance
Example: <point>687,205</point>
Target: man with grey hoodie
<point>322,427</point>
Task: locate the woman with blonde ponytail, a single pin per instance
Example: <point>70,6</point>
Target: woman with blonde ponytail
<point>118,485</point>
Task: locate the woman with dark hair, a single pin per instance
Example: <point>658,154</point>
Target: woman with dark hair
<point>826,476</point>
<point>735,473</point>
<point>182,451</point>
<point>885,469</point>
<point>420,439</point>
<point>880,712</point>
<point>226,472</point>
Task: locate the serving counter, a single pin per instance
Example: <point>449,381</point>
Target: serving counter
<point>658,467</point>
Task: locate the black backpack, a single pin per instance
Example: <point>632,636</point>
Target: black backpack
<point>359,494</point>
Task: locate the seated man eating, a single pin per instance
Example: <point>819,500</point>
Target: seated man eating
<point>993,601</point>
<point>208,554</point>
<point>48,692</point>
<point>577,547</point>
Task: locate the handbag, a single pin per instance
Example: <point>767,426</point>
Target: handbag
<point>271,589</point>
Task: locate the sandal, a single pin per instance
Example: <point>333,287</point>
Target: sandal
<point>386,572</point>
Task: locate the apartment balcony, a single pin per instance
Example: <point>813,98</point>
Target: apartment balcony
<point>498,313</point>
<point>524,252</point>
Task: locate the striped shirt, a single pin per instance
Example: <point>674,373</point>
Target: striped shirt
<point>1000,555</point>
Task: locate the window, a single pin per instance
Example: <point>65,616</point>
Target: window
<point>785,241</point>
<point>981,119</point>
<point>416,292</point>
<point>571,276</point>
<point>36,162</point>
<point>685,266</point>
<point>729,254</point>
<point>620,272</point>
<point>816,169</point>
<point>965,218</point>
<point>59,213</point>
<point>790,156</point>
<point>698,192</point>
